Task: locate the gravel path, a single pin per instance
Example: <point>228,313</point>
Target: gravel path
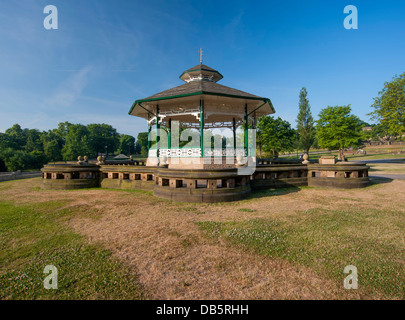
<point>396,160</point>
<point>388,176</point>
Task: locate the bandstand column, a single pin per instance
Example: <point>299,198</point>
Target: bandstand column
<point>234,134</point>
<point>149,129</point>
<point>202,127</point>
<point>157,131</point>
<point>246,131</point>
<point>254,120</point>
<point>169,142</point>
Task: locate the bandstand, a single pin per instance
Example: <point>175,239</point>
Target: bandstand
<point>200,104</point>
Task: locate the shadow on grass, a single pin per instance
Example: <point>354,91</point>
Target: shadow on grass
<point>374,181</point>
<point>272,192</point>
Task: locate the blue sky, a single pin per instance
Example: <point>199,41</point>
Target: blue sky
<point>106,54</point>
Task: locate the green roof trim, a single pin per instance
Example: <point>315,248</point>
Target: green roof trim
<point>198,93</point>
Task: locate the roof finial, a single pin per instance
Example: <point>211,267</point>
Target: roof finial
<point>201,55</point>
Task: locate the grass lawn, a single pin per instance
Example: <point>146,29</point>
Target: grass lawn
<point>278,244</point>
<point>375,156</point>
<point>373,153</point>
<point>34,236</point>
<point>326,242</point>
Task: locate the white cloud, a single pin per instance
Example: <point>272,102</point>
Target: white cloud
<point>70,90</point>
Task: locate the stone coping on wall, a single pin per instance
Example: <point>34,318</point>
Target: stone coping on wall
<point>340,166</point>
<point>208,185</point>
<point>278,161</point>
<point>279,176</point>
<point>197,174</point>
<point>126,168</point>
<point>70,167</point>
<point>281,167</point>
<point>345,175</point>
<point>7,176</point>
<point>126,162</point>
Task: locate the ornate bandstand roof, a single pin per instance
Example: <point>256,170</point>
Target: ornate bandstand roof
<point>221,103</point>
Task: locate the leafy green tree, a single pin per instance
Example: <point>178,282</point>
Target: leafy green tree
<point>50,135</point>
<point>14,159</point>
<point>276,135</point>
<point>365,133</point>
<point>62,130</point>
<point>127,144</point>
<point>337,128</point>
<point>380,133</point>
<point>315,145</point>
<point>141,146</point>
<point>305,122</point>
<point>33,141</point>
<point>210,139</point>
<point>5,141</point>
<point>17,136</point>
<point>21,160</point>
<point>77,142</point>
<point>37,160</point>
<point>52,150</point>
<point>389,106</point>
<point>102,136</point>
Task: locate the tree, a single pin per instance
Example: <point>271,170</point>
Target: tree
<point>141,146</point>
<point>337,128</point>
<point>17,136</point>
<point>37,160</point>
<point>305,122</point>
<point>53,135</point>
<point>389,106</point>
<point>276,135</point>
<point>14,159</point>
<point>62,130</point>
<point>21,160</point>
<point>102,136</point>
<point>127,144</point>
<point>33,141</point>
<point>5,141</point>
<point>77,142</point>
<point>29,148</point>
<point>52,150</point>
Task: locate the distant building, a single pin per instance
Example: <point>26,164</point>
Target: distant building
<point>121,157</point>
<point>367,129</point>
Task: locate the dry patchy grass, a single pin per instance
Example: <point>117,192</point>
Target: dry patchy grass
<point>164,244</point>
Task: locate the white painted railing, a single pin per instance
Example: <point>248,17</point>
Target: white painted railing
<point>196,152</point>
